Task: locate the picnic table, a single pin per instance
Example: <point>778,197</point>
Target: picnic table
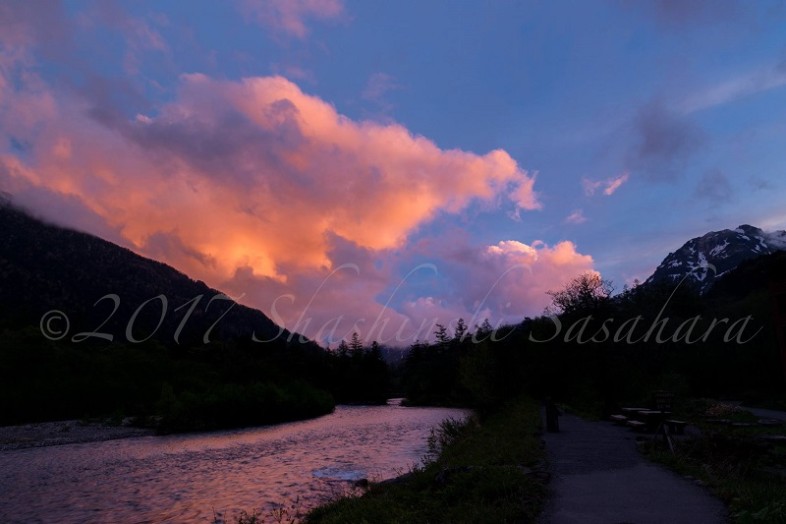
<point>653,418</point>
<point>641,419</point>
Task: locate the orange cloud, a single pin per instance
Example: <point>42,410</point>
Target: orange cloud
<point>264,191</point>
<point>255,173</point>
<point>251,176</point>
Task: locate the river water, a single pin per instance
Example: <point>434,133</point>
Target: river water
<point>210,477</point>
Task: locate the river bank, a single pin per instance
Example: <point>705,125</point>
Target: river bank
<point>42,434</point>
<point>55,433</point>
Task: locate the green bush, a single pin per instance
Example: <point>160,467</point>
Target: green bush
<point>236,405</point>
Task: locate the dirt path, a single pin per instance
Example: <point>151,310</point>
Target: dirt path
<point>600,477</point>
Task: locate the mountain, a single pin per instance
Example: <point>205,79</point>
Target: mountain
<point>44,267</point>
<point>91,329</point>
<point>702,260</point>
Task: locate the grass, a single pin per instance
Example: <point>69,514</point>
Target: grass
<point>487,471</point>
<point>734,462</point>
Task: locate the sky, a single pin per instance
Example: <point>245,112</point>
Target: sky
<point>381,167</point>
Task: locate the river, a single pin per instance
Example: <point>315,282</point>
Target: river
<point>210,477</point>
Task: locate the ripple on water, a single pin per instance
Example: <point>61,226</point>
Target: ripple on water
<point>340,472</point>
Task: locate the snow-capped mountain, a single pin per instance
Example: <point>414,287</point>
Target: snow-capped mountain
<point>704,259</point>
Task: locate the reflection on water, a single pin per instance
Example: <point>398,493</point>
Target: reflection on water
<point>192,478</point>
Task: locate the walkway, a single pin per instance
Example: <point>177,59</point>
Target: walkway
<point>600,477</point>
<point>767,413</point>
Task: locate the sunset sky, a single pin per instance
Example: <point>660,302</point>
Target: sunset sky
<point>365,165</point>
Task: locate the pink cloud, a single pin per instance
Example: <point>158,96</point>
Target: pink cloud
<point>382,295</point>
<point>503,282</point>
<point>614,184</point>
<point>607,186</point>
<point>524,194</point>
<point>527,272</point>
<point>289,16</point>
<point>576,217</point>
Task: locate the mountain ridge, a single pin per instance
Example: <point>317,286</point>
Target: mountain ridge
<point>701,261</point>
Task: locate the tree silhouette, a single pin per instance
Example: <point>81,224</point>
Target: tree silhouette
<point>585,293</point>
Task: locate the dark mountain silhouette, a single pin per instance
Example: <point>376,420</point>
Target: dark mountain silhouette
<point>145,340</point>
<point>702,260</point>
<point>44,267</point>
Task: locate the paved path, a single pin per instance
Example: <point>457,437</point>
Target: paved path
<point>599,477</point>
<point>767,413</point>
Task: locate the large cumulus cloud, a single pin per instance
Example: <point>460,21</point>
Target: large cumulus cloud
<point>270,193</point>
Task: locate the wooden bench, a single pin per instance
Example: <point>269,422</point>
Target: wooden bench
<point>635,425</point>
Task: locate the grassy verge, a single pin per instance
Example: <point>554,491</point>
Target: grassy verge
<point>736,461</point>
<point>486,472</point>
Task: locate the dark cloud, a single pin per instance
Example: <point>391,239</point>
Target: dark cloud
<point>111,101</point>
<point>217,143</point>
<point>666,141</point>
<point>714,186</point>
<point>42,24</point>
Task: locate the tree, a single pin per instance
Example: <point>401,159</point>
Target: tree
<point>356,348</point>
<point>343,349</point>
<point>585,293</point>
<point>461,330</point>
<point>441,334</point>
<point>376,352</point>
<point>483,331</point>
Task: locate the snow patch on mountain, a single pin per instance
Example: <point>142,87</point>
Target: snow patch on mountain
<point>717,250</point>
